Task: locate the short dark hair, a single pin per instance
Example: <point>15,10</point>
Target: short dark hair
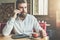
<point>20,1</point>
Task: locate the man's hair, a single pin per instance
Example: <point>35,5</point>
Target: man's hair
<point>19,2</point>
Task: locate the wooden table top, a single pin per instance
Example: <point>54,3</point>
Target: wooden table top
<point>9,38</point>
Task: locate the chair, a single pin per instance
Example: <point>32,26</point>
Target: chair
<point>43,25</point>
<point>2,25</point>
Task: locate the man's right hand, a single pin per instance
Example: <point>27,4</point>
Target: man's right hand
<point>15,13</point>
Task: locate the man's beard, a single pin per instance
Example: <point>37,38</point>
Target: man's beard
<point>23,15</point>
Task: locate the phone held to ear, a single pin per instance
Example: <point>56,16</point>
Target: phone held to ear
<point>18,14</point>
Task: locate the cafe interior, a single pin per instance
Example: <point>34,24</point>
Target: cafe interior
<point>47,13</point>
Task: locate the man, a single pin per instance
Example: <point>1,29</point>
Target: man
<point>22,22</point>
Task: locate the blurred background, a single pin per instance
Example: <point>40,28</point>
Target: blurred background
<point>47,10</point>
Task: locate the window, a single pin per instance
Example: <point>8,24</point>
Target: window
<point>40,7</point>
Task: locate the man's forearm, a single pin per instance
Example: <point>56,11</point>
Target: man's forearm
<point>8,27</point>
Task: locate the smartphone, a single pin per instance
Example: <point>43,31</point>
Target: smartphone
<point>18,14</point>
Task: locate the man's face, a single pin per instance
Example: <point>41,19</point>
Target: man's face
<point>23,8</point>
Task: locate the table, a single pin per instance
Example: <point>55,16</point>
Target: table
<point>9,38</point>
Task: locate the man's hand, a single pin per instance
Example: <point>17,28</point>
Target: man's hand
<point>15,13</point>
<point>43,33</point>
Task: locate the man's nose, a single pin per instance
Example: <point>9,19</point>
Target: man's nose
<point>23,9</point>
